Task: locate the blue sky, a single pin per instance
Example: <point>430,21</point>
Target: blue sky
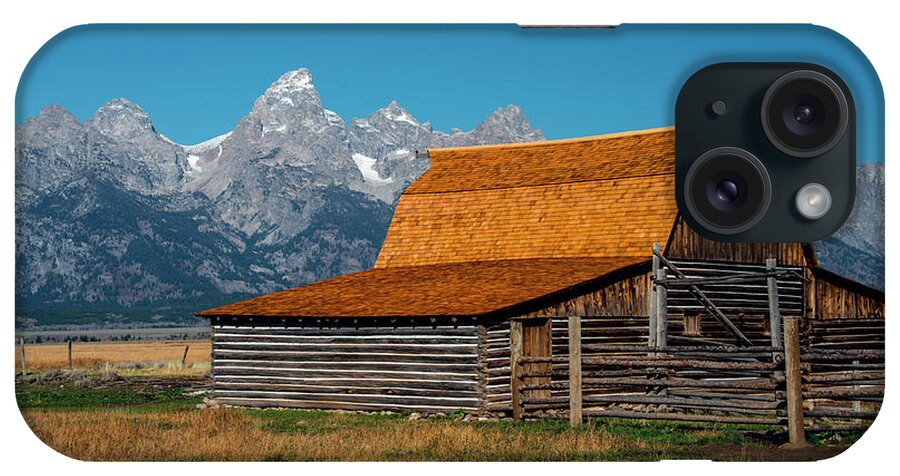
<point>197,81</point>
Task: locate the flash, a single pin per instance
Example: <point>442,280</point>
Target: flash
<point>813,201</point>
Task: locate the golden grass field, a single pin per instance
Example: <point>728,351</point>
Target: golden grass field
<point>163,355</point>
<point>230,434</point>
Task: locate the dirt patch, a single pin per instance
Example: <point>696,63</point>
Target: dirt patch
<point>766,453</point>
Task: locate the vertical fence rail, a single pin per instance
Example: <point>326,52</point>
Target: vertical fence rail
<point>515,368</point>
<point>793,382</point>
<point>22,355</point>
<point>575,385</point>
<point>662,310</point>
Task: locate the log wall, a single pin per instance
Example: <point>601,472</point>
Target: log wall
<point>626,297</point>
<point>425,369</point>
<point>495,358</point>
<point>687,244</point>
<point>833,298</point>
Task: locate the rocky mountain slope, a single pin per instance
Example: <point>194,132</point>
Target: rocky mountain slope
<point>857,249</point>
<point>111,213</point>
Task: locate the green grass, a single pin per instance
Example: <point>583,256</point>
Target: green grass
<point>74,398</point>
<point>834,438</point>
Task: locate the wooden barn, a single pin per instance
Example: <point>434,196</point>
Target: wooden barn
<point>499,238</point>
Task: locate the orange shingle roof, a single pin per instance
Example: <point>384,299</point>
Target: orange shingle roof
<point>459,289</point>
<point>592,197</point>
<point>491,227</point>
<point>605,157</point>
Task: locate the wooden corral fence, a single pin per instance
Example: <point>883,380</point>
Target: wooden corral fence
<point>749,367</point>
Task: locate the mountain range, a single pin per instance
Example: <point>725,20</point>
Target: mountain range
<point>111,214</point>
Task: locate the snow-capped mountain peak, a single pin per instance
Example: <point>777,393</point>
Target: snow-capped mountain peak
<point>396,113</point>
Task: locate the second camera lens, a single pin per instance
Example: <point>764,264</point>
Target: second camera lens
<point>804,113</point>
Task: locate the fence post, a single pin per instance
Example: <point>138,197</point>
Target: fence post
<point>796,434</point>
<point>22,356</point>
<point>515,372</point>
<point>575,417</point>
<point>651,308</point>
<point>71,367</point>
<point>774,309</point>
<point>662,311</point>
<point>184,357</point>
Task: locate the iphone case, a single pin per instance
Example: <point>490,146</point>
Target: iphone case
<point>400,289</point>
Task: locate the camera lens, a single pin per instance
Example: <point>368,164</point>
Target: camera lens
<point>727,190</point>
<point>804,113</point>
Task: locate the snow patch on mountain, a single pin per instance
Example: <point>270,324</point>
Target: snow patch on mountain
<point>366,166</point>
<point>194,162</point>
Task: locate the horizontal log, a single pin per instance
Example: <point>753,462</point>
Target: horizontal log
<point>846,394</point>
<point>839,413</point>
<point>337,405</point>
<point>387,389</point>
<point>306,347</point>
<point>358,366</point>
<point>222,370</point>
<point>352,340</point>
<point>762,397</point>
<point>825,332</point>
<point>545,401</point>
<point>847,346</point>
<point>292,356</point>
<point>694,402</point>
<point>855,376</point>
<point>839,354</point>
<point>858,322</point>
<point>854,338</point>
<point>680,363</point>
<point>682,417</point>
<point>758,384</point>
<point>347,383</point>
<point>499,371</point>
<point>842,366</point>
<point>722,348</point>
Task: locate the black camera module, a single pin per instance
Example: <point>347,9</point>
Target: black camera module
<point>804,113</point>
<point>727,190</point>
<point>779,165</point>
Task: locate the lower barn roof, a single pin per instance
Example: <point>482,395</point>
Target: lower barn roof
<point>456,289</point>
